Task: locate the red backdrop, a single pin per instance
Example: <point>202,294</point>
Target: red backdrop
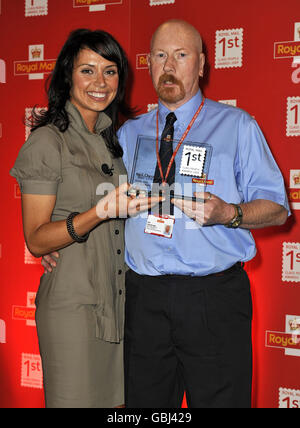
<point>253,62</point>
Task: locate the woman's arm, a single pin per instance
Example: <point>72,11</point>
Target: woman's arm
<point>43,236</point>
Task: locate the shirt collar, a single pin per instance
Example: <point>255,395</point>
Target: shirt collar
<point>184,113</point>
<point>102,123</point>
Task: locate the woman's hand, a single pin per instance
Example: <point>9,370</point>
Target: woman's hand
<point>117,204</point>
<point>49,261</point>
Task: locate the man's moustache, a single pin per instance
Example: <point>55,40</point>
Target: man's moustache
<point>168,78</point>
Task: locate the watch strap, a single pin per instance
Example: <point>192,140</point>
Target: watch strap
<point>237,219</point>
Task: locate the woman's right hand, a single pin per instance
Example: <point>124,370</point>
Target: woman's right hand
<point>117,204</point>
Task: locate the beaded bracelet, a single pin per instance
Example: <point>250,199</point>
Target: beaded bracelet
<point>71,230</point>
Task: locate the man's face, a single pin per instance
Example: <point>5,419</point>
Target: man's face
<point>175,64</point>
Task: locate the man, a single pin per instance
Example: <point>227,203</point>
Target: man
<point>188,302</point>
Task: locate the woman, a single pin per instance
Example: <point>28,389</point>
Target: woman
<point>72,150</point>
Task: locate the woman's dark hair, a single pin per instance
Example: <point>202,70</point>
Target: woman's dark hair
<point>60,85</point>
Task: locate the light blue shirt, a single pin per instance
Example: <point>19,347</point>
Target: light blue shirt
<point>242,169</point>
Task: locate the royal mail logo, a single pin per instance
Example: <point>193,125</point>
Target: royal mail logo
<point>2,332</point>
<point>26,313</point>
<point>36,66</point>
<point>294,189</point>
<point>36,7</point>
<point>229,48</point>
<point>160,2</point>
<point>276,339</point>
<point>36,52</point>
<point>289,398</point>
<point>289,340</point>
<point>142,61</point>
<point>294,324</point>
<point>289,49</point>
<point>31,371</point>
<point>95,5</point>
<point>286,50</point>
<point>293,117</point>
<point>295,179</point>
<point>292,327</point>
<point>291,262</point>
<point>2,71</point>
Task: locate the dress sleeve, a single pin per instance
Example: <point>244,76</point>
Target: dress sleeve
<point>38,165</point>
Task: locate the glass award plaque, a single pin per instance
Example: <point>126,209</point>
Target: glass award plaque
<point>191,168</point>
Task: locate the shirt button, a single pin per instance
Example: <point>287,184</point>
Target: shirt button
<point>120,272</point>
<point>119,252</point>
<point>120,292</point>
<point>117,232</point>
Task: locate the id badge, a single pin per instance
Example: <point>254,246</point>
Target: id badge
<point>160,226</point>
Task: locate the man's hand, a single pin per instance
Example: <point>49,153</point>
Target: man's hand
<point>212,211</point>
<point>49,261</point>
<point>257,214</point>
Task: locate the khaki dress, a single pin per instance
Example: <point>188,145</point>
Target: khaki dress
<point>80,305</point>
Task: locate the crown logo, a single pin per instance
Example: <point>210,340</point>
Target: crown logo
<point>36,52</point>
<point>296,178</point>
<point>295,324</point>
<point>31,301</point>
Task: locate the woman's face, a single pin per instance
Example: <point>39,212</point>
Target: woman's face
<point>95,84</point>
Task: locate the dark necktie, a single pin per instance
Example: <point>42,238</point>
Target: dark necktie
<point>165,154</point>
<point>166,151</point>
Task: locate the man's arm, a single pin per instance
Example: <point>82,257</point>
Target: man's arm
<point>256,214</point>
<point>262,213</point>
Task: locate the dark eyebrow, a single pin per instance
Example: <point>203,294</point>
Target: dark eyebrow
<point>92,65</point>
<point>89,65</point>
<point>111,66</point>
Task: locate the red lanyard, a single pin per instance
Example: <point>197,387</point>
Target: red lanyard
<point>164,180</point>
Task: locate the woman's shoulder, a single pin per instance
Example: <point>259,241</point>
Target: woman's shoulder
<point>44,143</point>
<point>43,138</point>
<point>47,131</point>
<point>39,159</point>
